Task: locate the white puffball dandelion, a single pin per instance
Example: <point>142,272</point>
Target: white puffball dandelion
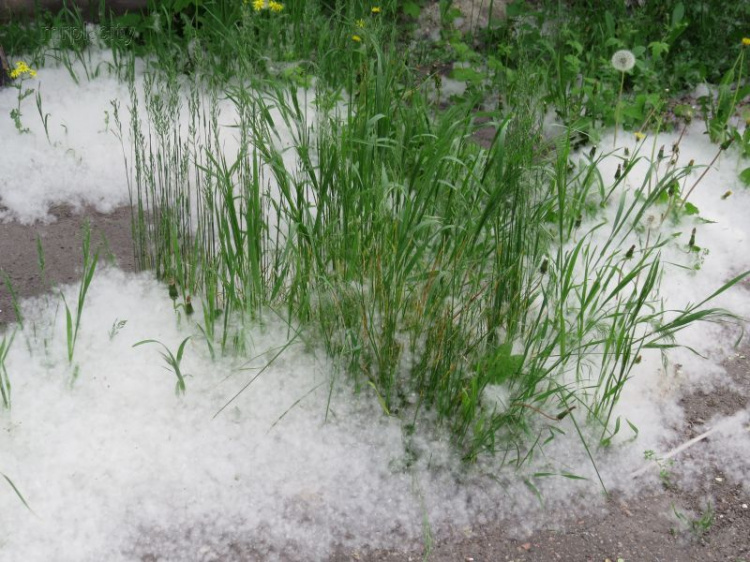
<point>623,60</point>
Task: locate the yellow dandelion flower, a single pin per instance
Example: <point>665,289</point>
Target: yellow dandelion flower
<point>746,41</point>
<point>21,69</point>
<point>275,6</point>
<point>375,10</point>
<point>258,5</point>
<point>356,38</point>
<point>639,136</point>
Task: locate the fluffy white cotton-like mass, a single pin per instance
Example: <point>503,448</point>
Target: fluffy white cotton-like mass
<point>79,160</point>
<point>80,164</point>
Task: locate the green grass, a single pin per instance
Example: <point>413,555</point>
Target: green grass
<point>428,267</point>
<point>73,322</point>
<point>5,345</point>
<point>173,362</point>
<point>415,255</point>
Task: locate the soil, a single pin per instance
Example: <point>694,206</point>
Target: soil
<point>61,242</point>
<point>641,529</point>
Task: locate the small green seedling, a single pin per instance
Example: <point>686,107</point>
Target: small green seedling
<point>172,361</point>
<point>72,324</point>
<point>5,344</point>
<point>698,527</point>
<point>665,474</point>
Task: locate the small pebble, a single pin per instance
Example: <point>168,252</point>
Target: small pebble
<point>719,479</point>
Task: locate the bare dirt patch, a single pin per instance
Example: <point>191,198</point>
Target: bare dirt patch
<point>61,241</point>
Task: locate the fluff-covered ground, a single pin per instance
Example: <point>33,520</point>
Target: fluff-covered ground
<point>116,466</point>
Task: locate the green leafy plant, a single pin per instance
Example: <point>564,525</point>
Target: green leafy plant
<point>5,345</point>
<point>698,527</point>
<point>13,299</point>
<point>173,361</point>
<point>73,323</point>
<point>44,116</point>
<point>665,472</point>
<point>21,72</point>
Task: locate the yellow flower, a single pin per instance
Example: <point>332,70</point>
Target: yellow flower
<point>746,41</point>
<point>375,10</point>
<point>21,69</point>
<point>361,24</point>
<point>275,6</point>
<point>639,136</point>
<point>258,5</point>
<point>356,38</point>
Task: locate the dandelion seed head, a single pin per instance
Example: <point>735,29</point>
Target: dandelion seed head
<point>623,60</point>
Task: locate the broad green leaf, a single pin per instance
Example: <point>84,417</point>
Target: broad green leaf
<point>503,364</point>
<point>411,9</point>
<point>677,14</point>
<point>467,75</point>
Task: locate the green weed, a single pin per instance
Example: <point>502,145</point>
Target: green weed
<point>73,323</point>
<point>5,345</point>
<point>698,527</point>
<point>173,361</point>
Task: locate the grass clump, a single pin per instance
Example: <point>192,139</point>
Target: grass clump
<point>434,269</point>
<point>467,285</point>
